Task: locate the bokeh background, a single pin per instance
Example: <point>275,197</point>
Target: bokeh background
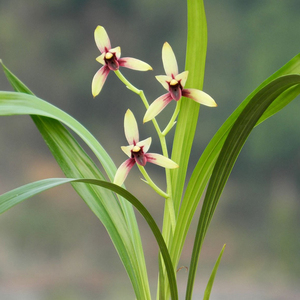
<point>52,247</point>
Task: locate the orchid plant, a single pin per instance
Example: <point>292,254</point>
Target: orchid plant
<point>105,193</point>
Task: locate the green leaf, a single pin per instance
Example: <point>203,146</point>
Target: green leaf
<point>212,276</point>
<point>233,144</point>
<point>188,115</point>
<point>76,163</point>
<point>18,195</point>
<point>14,103</point>
<point>189,109</point>
<point>205,165</point>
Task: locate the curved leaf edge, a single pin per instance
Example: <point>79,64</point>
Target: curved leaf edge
<point>227,157</point>
<point>24,192</point>
<point>204,167</point>
<point>135,268</point>
<point>213,275</point>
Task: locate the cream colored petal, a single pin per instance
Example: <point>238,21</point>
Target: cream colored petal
<point>123,171</point>
<point>100,59</point>
<point>182,77</point>
<point>127,150</point>
<point>161,160</point>
<point>102,39</point>
<point>164,80</point>
<point>157,106</point>
<point>145,144</point>
<point>99,80</point>
<point>134,64</point>
<point>131,128</point>
<point>116,51</point>
<point>200,97</point>
<point>169,60</point>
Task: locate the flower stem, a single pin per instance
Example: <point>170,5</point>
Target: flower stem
<point>172,121</point>
<point>162,138</point>
<point>151,183</point>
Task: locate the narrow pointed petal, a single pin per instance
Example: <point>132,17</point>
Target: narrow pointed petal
<point>145,144</point>
<point>161,160</point>
<point>199,96</point>
<point>131,128</point>
<point>127,150</point>
<point>123,171</point>
<point>164,80</point>
<point>157,106</point>
<point>100,59</point>
<point>116,51</point>
<point>169,60</point>
<point>134,64</point>
<point>102,39</point>
<point>99,80</point>
<point>182,77</point>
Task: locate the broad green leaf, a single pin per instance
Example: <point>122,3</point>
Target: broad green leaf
<point>204,167</point>
<point>212,276</point>
<point>20,194</point>
<point>70,156</point>
<point>233,144</point>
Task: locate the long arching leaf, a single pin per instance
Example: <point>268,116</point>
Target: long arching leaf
<point>22,193</point>
<point>227,157</point>
<point>121,226</point>
<point>205,165</point>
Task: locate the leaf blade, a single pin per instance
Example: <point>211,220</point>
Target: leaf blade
<point>233,144</point>
<point>206,162</point>
<point>213,275</point>
<point>22,193</point>
<point>70,155</point>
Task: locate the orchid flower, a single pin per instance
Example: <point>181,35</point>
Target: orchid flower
<point>111,61</point>
<point>174,84</point>
<point>137,151</point>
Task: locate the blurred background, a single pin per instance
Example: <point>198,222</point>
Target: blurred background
<point>52,247</point>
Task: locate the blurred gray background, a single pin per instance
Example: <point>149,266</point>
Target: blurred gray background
<point>52,247</point>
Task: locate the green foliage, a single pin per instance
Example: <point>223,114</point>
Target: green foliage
<point>113,204</point>
<point>20,194</point>
<point>117,216</point>
<point>212,276</point>
<point>233,144</point>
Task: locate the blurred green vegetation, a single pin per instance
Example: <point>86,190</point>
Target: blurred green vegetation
<point>52,247</point>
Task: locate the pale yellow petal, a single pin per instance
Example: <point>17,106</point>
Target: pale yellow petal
<point>99,80</point>
<point>127,150</point>
<point>157,106</point>
<point>100,59</point>
<point>131,128</point>
<point>182,77</point>
<point>164,80</point>
<point>102,39</point>
<point>134,64</point>
<point>123,171</point>
<point>169,60</point>
<point>145,144</point>
<point>200,97</point>
<point>116,51</point>
<point>161,160</point>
